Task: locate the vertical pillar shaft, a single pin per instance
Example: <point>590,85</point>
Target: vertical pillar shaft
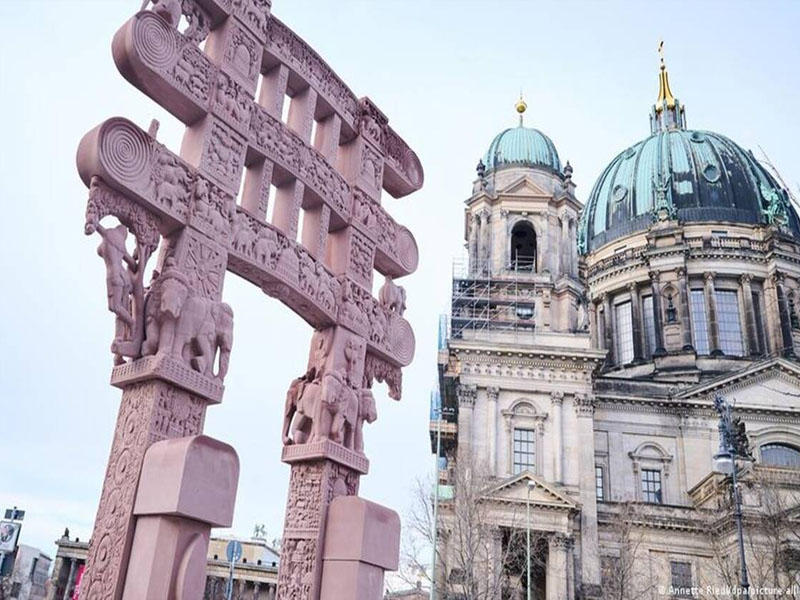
<point>483,246</point>
<point>787,347</point>
<point>594,332</point>
<point>608,340</point>
<point>590,554</point>
<point>557,400</point>
<point>492,394</point>
<point>505,254</point>
<point>655,279</point>
<point>474,231</point>
<point>749,313</point>
<point>557,567</point>
<point>686,322</point>
<point>711,310</point>
<point>636,316</point>
<point>564,249</point>
<point>466,403</point>
<point>70,576</point>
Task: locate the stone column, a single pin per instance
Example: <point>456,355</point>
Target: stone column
<point>564,247</point>
<point>608,340</point>
<point>655,280</point>
<point>590,555</point>
<point>557,566</point>
<point>466,403</point>
<point>271,594</point>
<point>70,581</point>
<point>485,240</point>
<point>505,254</point>
<point>474,232</point>
<point>594,331</point>
<point>711,314</point>
<point>787,348</point>
<point>495,576</point>
<point>492,394</point>
<point>256,590</point>
<point>557,399</point>
<point>636,316</point>
<point>749,313</point>
<point>686,315</point>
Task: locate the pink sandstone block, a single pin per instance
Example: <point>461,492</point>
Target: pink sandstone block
<point>360,530</point>
<point>362,540</point>
<point>193,477</point>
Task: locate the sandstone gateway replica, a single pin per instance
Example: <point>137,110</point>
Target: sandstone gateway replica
<point>167,484</point>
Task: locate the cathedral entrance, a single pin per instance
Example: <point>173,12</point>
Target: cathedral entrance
<point>516,568</point>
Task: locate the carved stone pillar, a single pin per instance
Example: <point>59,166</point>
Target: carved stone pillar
<point>68,588</point>
<point>636,316</point>
<point>557,566</point>
<point>272,593</point>
<point>608,340</point>
<point>466,403</point>
<point>492,394</point>
<point>505,252</point>
<point>711,310</point>
<point>749,314</point>
<point>256,590</point>
<point>556,400</point>
<point>594,332</point>
<point>590,553</point>
<point>484,248</point>
<point>655,279</point>
<point>474,233</point>
<point>495,575</point>
<point>787,348</point>
<point>564,248</point>
<point>686,316</point>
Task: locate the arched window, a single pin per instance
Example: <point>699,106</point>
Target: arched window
<point>523,247</point>
<point>780,455</point>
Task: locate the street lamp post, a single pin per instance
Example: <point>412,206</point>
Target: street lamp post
<point>531,485</point>
<point>729,450</point>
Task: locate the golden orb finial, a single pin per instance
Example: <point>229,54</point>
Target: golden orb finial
<point>521,106</point>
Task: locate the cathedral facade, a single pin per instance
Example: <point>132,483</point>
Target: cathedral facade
<point>585,346</point>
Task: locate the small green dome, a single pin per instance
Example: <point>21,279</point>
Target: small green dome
<point>522,147</point>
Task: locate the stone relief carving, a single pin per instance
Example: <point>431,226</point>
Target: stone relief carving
<point>124,270</point>
<point>377,369</point>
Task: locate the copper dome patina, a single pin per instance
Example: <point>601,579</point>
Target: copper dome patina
<point>522,147</point>
<point>694,176</point>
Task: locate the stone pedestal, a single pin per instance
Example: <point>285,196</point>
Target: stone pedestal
<point>362,541</point>
<point>187,486</point>
<point>321,472</point>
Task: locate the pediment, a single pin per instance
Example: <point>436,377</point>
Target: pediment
<point>523,186</point>
<point>515,490</point>
<point>770,384</point>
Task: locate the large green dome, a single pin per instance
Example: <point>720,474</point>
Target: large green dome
<point>522,147</point>
<point>702,176</point>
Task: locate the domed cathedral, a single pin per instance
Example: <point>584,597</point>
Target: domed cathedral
<point>586,346</point>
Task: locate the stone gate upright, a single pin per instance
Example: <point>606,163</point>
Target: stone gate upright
<point>227,69</point>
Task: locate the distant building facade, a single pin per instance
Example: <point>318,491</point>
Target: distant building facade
<point>255,575</point>
<point>28,578</point>
<point>584,347</point>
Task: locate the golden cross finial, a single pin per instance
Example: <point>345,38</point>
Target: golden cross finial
<point>664,93</point>
<point>661,53</point>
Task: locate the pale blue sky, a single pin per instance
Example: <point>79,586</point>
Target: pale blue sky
<point>447,74</point>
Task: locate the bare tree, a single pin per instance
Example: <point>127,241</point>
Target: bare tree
<point>477,557</point>
<point>626,575</point>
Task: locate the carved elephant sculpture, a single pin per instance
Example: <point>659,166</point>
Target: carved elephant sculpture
<point>298,413</point>
<point>191,328</point>
<point>392,296</point>
<point>336,410</point>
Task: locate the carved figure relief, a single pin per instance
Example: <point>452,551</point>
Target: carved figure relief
<point>392,296</point>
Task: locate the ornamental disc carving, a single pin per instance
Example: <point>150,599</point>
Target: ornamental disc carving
<point>125,151</point>
<point>413,168</point>
<point>407,250</point>
<point>402,341</point>
<point>154,40</point>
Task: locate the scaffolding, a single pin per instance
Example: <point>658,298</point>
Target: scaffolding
<point>487,298</point>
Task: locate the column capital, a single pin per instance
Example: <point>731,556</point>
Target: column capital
<point>681,271</point>
<point>475,217</point>
<point>557,398</point>
<point>504,212</point>
<point>605,298</point>
<point>492,392</point>
<point>584,405</point>
<point>484,215</point>
<point>709,276</point>
<point>560,542</point>
<point>466,395</point>
<point>746,278</point>
<point>655,275</point>
<point>777,276</point>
